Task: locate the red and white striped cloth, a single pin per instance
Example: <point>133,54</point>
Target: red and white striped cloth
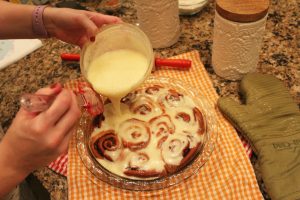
<point>60,165</point>
<point>247,147</point>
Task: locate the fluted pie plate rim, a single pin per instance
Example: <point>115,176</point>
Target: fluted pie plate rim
<point>85,128</point>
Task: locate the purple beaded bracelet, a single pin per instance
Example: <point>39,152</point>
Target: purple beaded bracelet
<point>38,26</point>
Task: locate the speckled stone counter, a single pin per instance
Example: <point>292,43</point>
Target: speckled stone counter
<point>279,56</point>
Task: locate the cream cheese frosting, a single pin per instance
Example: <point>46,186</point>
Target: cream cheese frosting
<point>157,133</point>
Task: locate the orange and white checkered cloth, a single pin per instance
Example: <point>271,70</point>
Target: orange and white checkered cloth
<point>228,174</point>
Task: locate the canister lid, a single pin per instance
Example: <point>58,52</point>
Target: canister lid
<point>242,10</point>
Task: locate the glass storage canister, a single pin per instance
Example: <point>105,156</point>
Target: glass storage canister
<point>238,32</point>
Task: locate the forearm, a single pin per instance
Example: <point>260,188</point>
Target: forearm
<point>15,21</point>
<point>10,176</point>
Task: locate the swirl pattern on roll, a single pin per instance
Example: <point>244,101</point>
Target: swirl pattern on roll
<point>106,144</point>
<point>152,90</point>
<point>135,134</point>
<point>176,152</point>
<point>161,127</point>
<point>144,105</point>
<point>171,98</point>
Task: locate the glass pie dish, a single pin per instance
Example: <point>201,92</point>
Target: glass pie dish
<point>199,158</point>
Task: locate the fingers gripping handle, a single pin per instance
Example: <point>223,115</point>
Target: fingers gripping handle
<point>86,98</point>
<point>36,102</point>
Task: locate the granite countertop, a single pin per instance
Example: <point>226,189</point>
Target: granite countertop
<point>279,57</point>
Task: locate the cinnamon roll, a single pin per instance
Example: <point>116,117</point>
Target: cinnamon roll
<point>162,125</point>
<point>192,119</point>
<point>192,138</point>
<point>152,90</point>
<point>130,97</point>
<point>143,105</point>
<point>140,166</point>
<point>171,98</point>
<point>176,152</point>
<point>135,134</point>
<point>106,144</point>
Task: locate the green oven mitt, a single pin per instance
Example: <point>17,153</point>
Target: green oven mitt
<point>270,119</point>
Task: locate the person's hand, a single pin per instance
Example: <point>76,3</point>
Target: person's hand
<point>35,139</point>
<point>75,26</point>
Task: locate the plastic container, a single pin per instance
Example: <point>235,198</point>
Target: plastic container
<point>116,37</point>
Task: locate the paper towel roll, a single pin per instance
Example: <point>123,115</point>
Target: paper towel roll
<point>159,20</point>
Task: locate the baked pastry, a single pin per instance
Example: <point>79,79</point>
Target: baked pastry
<point>159,132</point>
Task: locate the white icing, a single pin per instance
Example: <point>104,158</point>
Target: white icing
<point>162,98</point>
<point>161,126</point>
<point>159,20</point>
<point>186,132</point>
<point>133,131</point>
<point>115,73</point>
<point>138,160</point>
<point>236,47</point>
<point>172,149</point>
<point>155,108</point>
<point>114,155</point>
